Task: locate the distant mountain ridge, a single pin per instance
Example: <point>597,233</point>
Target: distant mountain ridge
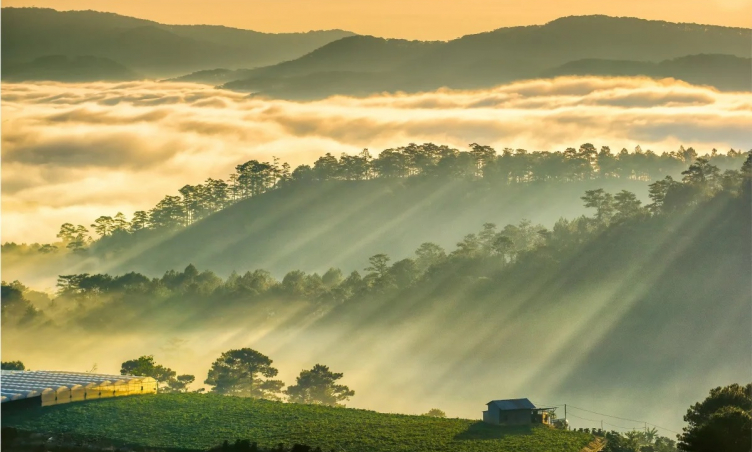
<point>354,56</point>
<point>507,54</point>
<point>320,64</point>
<point>147,47</point>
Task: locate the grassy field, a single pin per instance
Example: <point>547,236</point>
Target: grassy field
<point>195,421</point>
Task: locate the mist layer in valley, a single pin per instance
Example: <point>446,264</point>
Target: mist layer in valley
<point>72,152</point>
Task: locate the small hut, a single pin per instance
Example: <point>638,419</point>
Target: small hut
<point>516,412</point>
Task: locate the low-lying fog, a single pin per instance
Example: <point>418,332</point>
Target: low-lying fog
<point>73,152</point>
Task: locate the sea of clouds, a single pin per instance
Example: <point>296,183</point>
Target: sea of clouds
<point>72,152</point>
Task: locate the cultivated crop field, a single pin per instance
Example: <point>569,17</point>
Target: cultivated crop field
<point>197,421</point>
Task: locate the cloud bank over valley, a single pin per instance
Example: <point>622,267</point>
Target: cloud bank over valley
<point>72,152</point>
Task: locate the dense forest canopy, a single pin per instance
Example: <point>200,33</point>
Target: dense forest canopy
<point>511,166</point>
<point>338,211</point>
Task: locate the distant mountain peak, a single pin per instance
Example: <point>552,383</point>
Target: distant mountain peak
<point>606,19</point>
<point>148,47</point>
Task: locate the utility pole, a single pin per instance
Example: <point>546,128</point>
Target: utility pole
<point>566,423</point>
<point>601,424</point>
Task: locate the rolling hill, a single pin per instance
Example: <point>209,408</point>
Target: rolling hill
<point>147,47</point>
<point>357,64</point>
<point>170,421</point>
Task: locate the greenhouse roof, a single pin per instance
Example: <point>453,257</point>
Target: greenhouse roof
<point>15,385</point>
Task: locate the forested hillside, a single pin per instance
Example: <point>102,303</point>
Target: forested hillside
<point>642,294</point>
<point>339,211</point>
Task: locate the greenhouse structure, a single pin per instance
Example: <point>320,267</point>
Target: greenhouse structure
<point>45,388</point>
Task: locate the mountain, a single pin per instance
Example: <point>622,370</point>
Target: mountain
<point>348,56</point>
<point>147,47</point>
<point>503,55</point>
<point>323,63</point>
<point>356,53</point>
<point>68,69</point>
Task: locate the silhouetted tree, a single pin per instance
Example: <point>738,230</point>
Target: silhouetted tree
<point>435,412</point>
<point>332,278</point>
<point>103,226</point>
<point>140,221</point>
<point>602,202</point>
<point>168,214</point>
<point>378,265</point>
<point>657,192</point>
<point>180,383</point>
<point>244,372</point>
<point>626,204</point>
<point>721,422</point>
<point>318,386</point>
<point>12,365</point>
<point>427,255</point>
<point>145,366</point>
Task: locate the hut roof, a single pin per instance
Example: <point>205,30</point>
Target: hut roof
<point>512,404</point>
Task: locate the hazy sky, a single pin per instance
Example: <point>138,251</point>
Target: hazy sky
<point>413,19</point>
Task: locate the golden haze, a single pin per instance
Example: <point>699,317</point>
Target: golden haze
<point>409,19</point>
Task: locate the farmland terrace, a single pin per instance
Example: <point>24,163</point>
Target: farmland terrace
<point>200,422</point>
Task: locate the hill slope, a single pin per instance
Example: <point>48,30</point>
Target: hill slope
<point>342,223</point>
<point>145,46</point>
<point>496,57</point>
<point>172,420</point>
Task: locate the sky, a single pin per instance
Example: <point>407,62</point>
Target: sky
<point>407,19</point>
<point>73,152</point>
